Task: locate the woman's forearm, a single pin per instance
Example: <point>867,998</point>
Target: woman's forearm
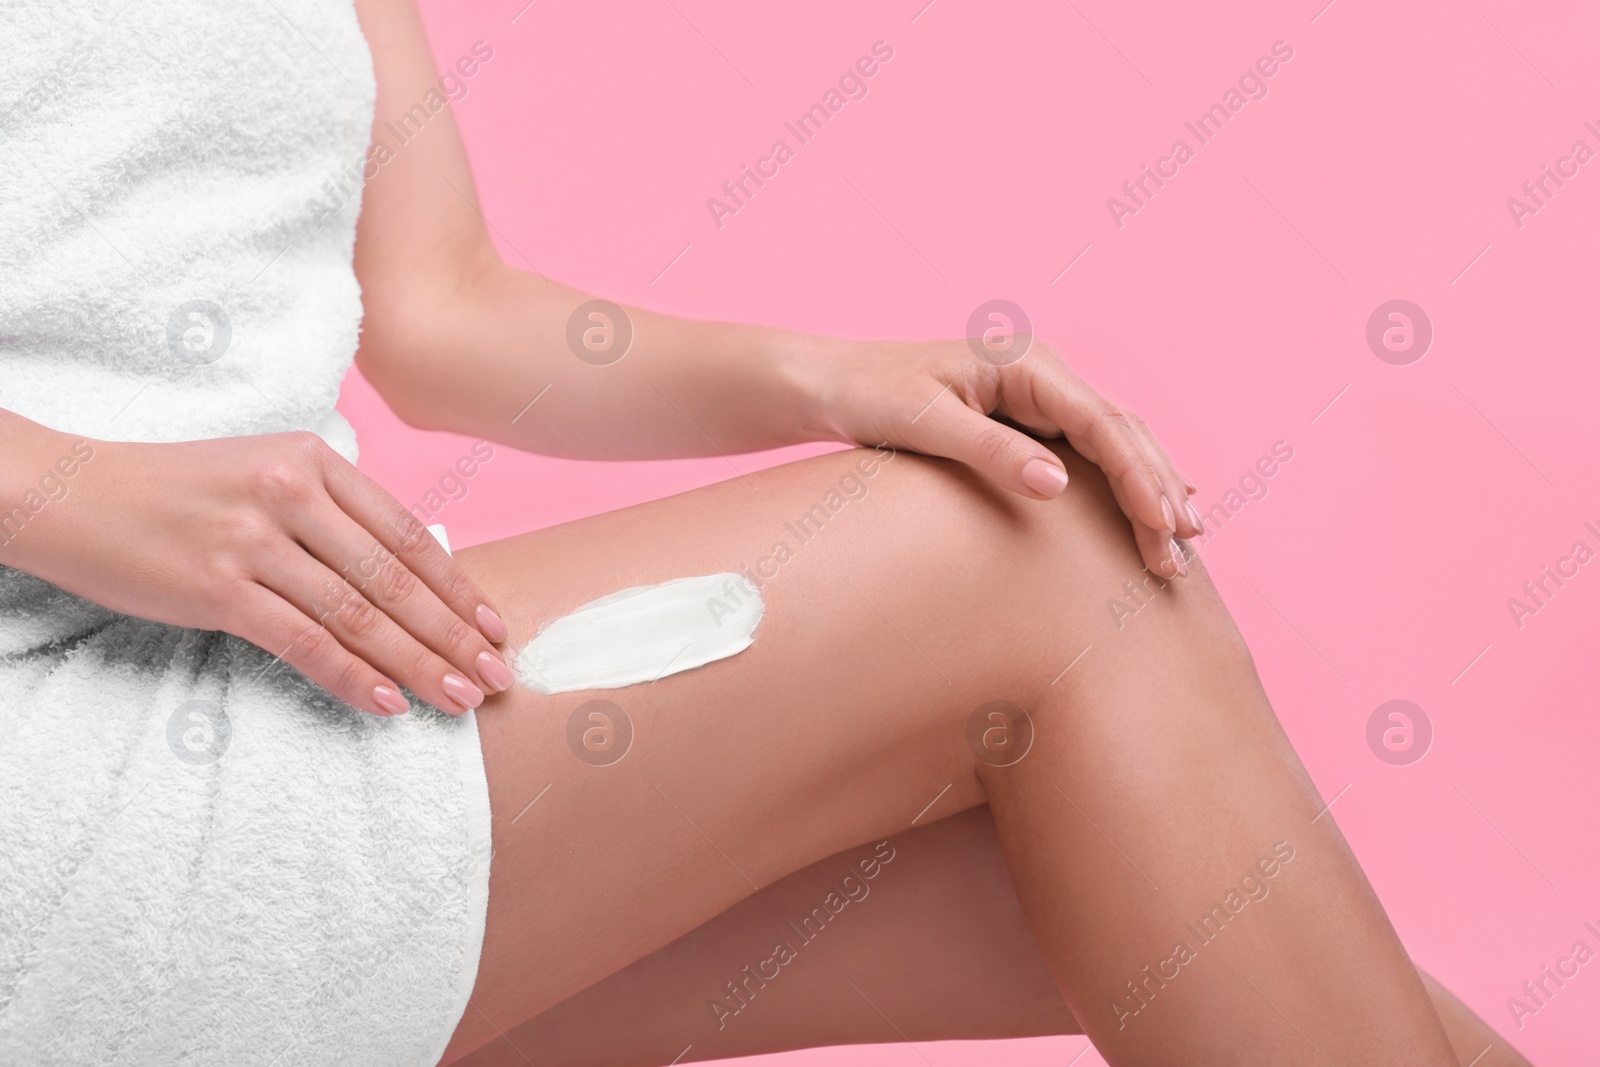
<point>454,339</point>
<point>533,364</point>
<point>38,466</point>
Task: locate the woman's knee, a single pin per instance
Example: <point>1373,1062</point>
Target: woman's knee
<point>1072,558</point>
<point>1061,579</point>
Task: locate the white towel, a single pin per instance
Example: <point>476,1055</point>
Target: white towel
<point>204,859</point>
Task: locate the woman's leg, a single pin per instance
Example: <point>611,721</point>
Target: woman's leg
<point>940,948</point>
<point>936,942</point>
<point>1158,799</point>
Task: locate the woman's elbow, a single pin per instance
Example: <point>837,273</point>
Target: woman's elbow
<point>398,377</point>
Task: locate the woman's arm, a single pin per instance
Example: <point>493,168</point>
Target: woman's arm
<point>38,469</point>
<point>456,339</point>
<point>274,538</point>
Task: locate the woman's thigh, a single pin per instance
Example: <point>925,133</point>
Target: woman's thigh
<point>933,946</point>
<point>898,602</point>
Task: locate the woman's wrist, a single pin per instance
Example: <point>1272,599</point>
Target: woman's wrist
<point>38,470</point>
<point>807,369</point>
<point>27,452</point>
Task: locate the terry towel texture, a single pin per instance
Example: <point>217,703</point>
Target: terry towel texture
<point>204,859</point>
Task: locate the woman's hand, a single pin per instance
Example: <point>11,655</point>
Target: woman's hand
<point>278,540</point>
<point>943,398</point>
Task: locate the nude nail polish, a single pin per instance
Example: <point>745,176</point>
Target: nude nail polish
<point>1178,559</point>
<point>390,700</point>
<point>1044,478</point>
<point>494,672</point>
<point>466,695</point>
<point>491,625</point>
<point>1166,513</point>
<point>1194,514</point>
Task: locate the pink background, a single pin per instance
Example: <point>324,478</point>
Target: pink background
<point>1229,311</point>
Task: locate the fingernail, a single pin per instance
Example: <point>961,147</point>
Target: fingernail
<point>1044,478</point>
<point>1178,560</point>
<point>1194,515</point>
<point>493,670</point>
<point>463,692</point>
<point>1166,513</point>
<point>390,700</point>
<point>491,625</point>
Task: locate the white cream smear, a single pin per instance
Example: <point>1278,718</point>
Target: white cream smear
<point>641,634</point>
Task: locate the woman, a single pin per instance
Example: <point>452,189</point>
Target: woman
<point>1070,826</point>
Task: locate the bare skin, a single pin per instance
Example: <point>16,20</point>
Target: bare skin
<point>1157,781</point>
<point>939,950</point>
<point>1157,762</point>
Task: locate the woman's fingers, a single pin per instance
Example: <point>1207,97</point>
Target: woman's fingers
<point>1010,458</point>
<point>1148,488</point>
<point>1039,393</point>
<point>269,621</point>
<point>1102,432</point>
<point>410,542</point>
<point>1174,485</point>
<point>1160,551</point>
<point>379,576</point>
<point>1017,462</point>
<point>360,593</point>
<point>366,631</point>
